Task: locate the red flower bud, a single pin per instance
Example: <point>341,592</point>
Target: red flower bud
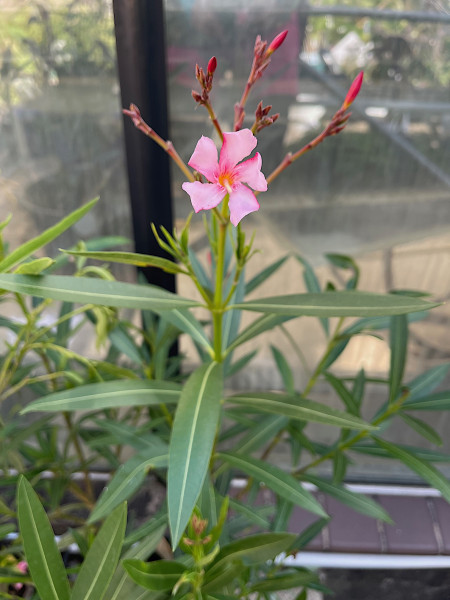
<point>212,65</point>
<point>354,90</point>
<point>276,42</point>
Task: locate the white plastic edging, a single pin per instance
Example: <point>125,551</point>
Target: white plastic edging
<point>341,560</point>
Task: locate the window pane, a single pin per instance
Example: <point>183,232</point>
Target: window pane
<point>61,126</point>
<point>378,191</point>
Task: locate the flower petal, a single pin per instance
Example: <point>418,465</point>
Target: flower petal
<point>236,146</point>
<point>249,172</point>
<point>242,202</point>
<point>204,195</point>
<point>204,159</point>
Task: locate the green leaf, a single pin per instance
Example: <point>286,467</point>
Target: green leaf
<point>284,369</point>
<point>399,345</point>
<point>44,560</point>
<point>438,401</point>
<point>427,455</point>
<point>358,502</point>
<point>343,393</point>
<point>311,532</point>
<point>122,340</point>
<point>258,279</point>
<point>250,513</point>
<point>340,463</point>
<point>341,261</point>
<point>422,429</point>
<point>125,483</point>
<point>88,290</point>
<point>285,582</point>
<point>137,438</point>
<point>192,439</point>
<point>425,383</point>
<point>277,480</point>
<point>337,304</point>
<point>160,575</point>
<point>34,267</point>
<point>240,363</point>
<point>101,561</point>
<point>185,321</point>
<point>358,387</point>
<point>296,407</point>
<point>131,258</point>
<point>264,323</point>
<point>27,249</point>
<point>253,549</point>
<point>420,466</point>
<point>261,433</point>
<point>220,578</point>
<point>313,286</point>
<point>108,394</point>
<point>121,585</point>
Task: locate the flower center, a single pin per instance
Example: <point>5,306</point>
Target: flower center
<point>225,179</point>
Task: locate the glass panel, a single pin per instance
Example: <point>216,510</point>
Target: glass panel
<point>378,191</point>
<point>61,126</point>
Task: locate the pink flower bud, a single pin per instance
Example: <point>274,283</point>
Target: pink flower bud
<point>276,42</point>
<point>354,90</point>
<point>212,65</point>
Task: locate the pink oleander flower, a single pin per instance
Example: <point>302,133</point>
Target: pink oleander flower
<point>228,175</point>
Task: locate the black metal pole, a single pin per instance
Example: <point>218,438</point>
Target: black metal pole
<point>140,41</point>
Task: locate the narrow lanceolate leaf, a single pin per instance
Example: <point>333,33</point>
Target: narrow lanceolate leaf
<point>296,407</point>
<point>87,290</point>
<point>193,434</point>
<point>277,480</point>
<point>255,549</point>
<point>399,345</point>
<point>425,383</point>
<point>261,433</point>
<point>44,560</point>
<point>285,582</point>
<point>313,286</point>
<point>27,249</point>
<point>261,277</point>
<point>343,393</point>
<point>34,267</point>
<point>185,321</point>
<point>131,258</point>
<point>420,466</point>
<point>422,429</point>
<point>437,401</point>
<point>284,369</point>
<point>337,304</point>
<point>358,502</point>
<point>126,482</point>
<point>258,326</point>
<point>159,575</point>
<point>121,586</point>
<point>101,561</point>
<point>108,394</point>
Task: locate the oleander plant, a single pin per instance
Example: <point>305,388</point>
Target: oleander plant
<point>138,416</point>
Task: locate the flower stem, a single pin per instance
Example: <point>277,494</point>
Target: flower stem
<point>217,308</point>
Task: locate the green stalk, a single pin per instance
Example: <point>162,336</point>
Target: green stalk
<point>217,307</point>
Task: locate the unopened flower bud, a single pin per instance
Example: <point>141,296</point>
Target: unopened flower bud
<point>354,90</point>
<point>212,65</point>
<point>276,42</point>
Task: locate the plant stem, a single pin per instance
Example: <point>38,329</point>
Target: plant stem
<point>79,451</point>
<point>217,308</point>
